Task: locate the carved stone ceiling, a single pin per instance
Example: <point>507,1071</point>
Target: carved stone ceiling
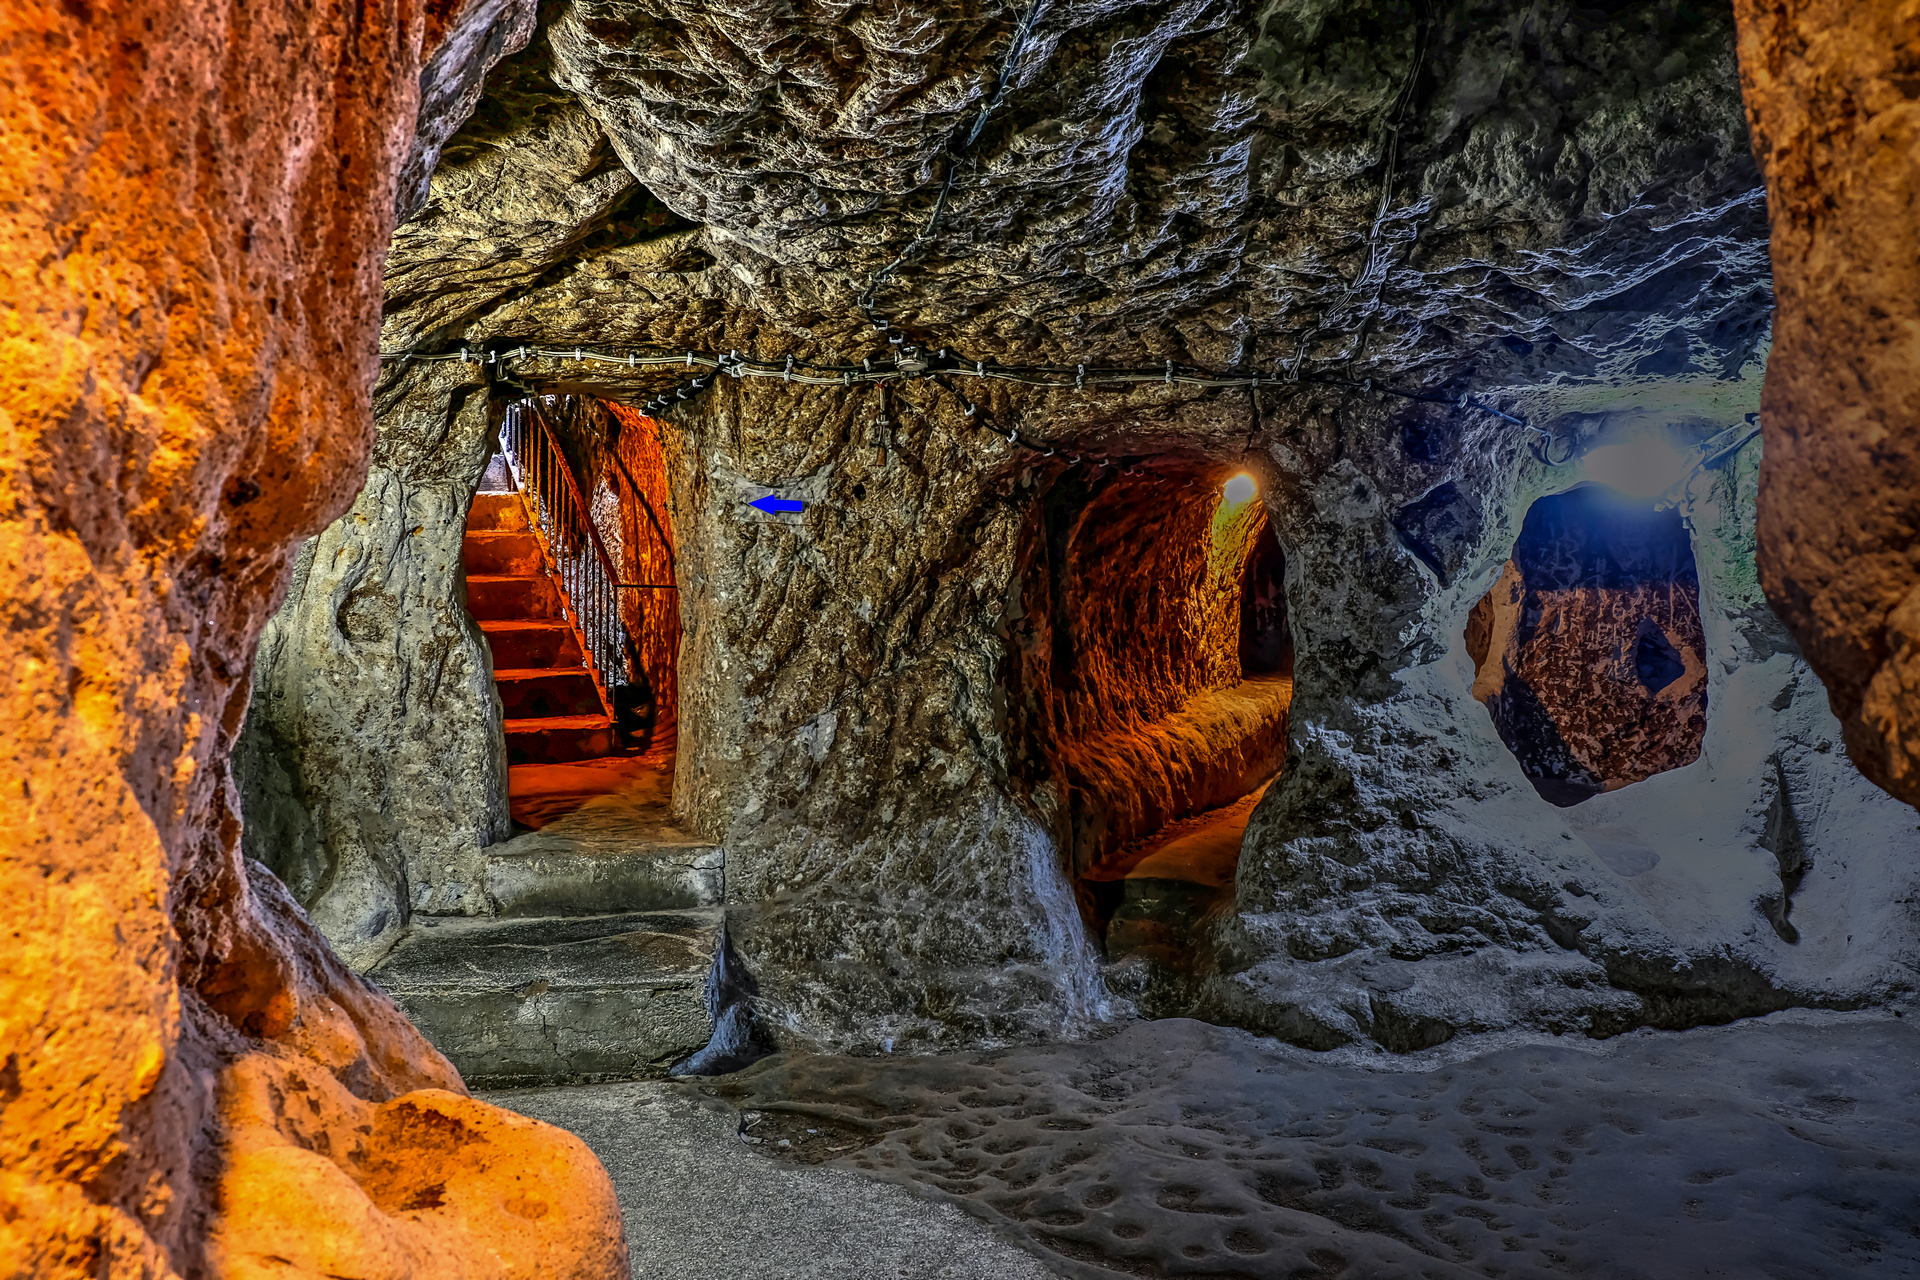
<point>1506,193</point>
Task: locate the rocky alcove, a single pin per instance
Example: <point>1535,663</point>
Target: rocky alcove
<point>1149,676</point>
<point>1589,652</point>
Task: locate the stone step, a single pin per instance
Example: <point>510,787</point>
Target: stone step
<point>516,1003</point>
<point>608,856</point>
<point>497,512</point>
<point>521,644</point>
<point>547,694</point>
<point>493,597</point>
<point>509,554</point>
<point>558,739</point>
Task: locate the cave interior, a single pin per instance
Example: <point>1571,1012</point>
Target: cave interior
<point>1016,640</point>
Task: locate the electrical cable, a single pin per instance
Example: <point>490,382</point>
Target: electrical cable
<point>955,156</point>
<point>944,365</point>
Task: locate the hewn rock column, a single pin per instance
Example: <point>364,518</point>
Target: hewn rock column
<point>373,764</point>
<point>840,727</point>
<point>1833,97</point>
<point>199,194</point>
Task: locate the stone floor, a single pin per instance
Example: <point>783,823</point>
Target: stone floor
<point>541,794</point>
<point>702,1205</point>
<point>1785,1147</point>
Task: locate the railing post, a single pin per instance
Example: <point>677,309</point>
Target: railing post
<point>581,561</point>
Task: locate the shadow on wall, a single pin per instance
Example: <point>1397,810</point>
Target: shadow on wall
<point>1589,651</point>
<point>1152,662</point>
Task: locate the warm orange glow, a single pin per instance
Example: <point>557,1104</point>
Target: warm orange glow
<point>1240,489</point>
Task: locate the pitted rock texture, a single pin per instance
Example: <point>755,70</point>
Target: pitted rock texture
<point>1125,692</point>
<point>1831,92</point>
<point>1588,650</point>
<point>373,760</point>
<point>1546,207</point>
<point>190,256</point>
<point>1175,1149</point>
<point>1571,194</point>
<point>1369,182</point>
<point>349,1146</point>
<point>1404,883</point>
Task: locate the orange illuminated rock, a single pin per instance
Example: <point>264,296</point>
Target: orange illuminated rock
<point>198,195</point>
<point>652,616</point>
<point>1588,651</point>
<point>1833,97</point>
<point>1134,690</point>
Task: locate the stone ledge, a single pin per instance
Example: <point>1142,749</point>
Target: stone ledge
<point>557,1000</point>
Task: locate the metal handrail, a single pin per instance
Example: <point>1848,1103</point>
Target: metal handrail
<point>573,544</point>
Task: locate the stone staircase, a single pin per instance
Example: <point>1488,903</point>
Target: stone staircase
<point>594,964</point>
<point>604,923</point>
<point>555,710</point>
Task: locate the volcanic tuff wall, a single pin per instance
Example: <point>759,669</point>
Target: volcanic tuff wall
<point>192,1083</point>
<point>1833,92</point>
<point>1550,208</point>
<point>372,677</point>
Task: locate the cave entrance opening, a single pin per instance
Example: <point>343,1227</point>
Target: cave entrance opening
<point>1152,673</point>
<point>571,577</point>
<point>1588,651</point>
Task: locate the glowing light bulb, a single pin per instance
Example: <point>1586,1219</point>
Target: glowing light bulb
<point>1239,489</point>
<point>1643,467</point>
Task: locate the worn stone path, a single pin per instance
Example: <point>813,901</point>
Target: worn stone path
<point>700,1204</point>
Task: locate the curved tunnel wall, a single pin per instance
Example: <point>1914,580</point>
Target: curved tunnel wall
<point>1127,683</point>
<point>652,616</point>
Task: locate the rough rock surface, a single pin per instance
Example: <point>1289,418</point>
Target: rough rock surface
<point>1831,91</point>
<point>1548,208</point>
<point>1201,180</point>
<point>1124,690</point>
<point>548,1001</point>
<point>1588,651</point>
<point>673,1157</point>
<point>373,758</point>
<point>1176,1149</point>
<point>191,252</point>
<point>638,475</point>
<point>1404,882</point>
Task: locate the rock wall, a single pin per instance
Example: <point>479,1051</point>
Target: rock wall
<point>191,256</point>
<point>652,617</point>
<point>372,761</point>
<point>841,725</point>
<point>1546,210</point>
<point>1123,647</point>
<point>1831,93</point>
<point>1403,882</point>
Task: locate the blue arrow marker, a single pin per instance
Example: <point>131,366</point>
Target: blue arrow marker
<point>772,505</point>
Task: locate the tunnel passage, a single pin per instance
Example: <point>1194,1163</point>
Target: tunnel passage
<point>570,575</point>
<point>1152,675</point>
<point>1588,650</point>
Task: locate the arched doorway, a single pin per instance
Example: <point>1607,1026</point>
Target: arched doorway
<point>1151,678</point>
<point>570,567</point>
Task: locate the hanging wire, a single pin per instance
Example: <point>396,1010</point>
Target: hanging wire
<point>912,363</point>
<point>941,367</point>
<point>957,149</point>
